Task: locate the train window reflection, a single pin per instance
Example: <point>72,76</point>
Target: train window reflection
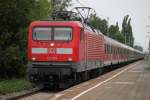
<point>62,33</point>
<point>42,33</point>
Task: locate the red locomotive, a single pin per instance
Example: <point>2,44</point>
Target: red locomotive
<point>70,51</point>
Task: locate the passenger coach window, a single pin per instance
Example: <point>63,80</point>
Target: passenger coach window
<point>42,33</point>
<point>62,33</point>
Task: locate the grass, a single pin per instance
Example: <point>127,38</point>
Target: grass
<point>14,85</point>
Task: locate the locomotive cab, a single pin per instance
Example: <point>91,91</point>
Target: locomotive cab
<point>52,49</point>
<point>52,44</point>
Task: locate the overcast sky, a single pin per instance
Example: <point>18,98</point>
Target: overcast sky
<point>139,10</point>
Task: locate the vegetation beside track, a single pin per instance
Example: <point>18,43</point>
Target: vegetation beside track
<point>14,85</point>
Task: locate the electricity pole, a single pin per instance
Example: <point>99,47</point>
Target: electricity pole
<point>108,27</point>
<point>149,41</point>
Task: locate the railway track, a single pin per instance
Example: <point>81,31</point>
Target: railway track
<point>16,96</point>
<point>42,95</point>
<point>38,93</point>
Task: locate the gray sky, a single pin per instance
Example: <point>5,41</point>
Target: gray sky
<point>139,10</point>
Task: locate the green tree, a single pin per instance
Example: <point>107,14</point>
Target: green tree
<point>115,33</point>
<point>127,31</point>
<point>59,5</point>
<point>14,17</point>
<point>113,29</point>
<point>119,37</point>
<point>41,9</point>
<point>130,35</point>
<point>100,24</point>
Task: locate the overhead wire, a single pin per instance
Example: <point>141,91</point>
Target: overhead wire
<point>87,3</point>
<point>78,1</point>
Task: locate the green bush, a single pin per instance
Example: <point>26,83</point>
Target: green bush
<point>11,63</point>
<point>14,85</point>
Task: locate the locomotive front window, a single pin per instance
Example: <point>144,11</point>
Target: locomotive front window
<point>42,33</point>
<point>62,33</point>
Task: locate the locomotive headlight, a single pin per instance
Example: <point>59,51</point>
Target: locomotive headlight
<point>33,58</point>
<point>52,44</point>
<point>69,59</point>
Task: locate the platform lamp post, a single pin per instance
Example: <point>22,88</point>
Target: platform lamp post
<point>108,27</point>
<point>149,44</point>
<point>149,39</point>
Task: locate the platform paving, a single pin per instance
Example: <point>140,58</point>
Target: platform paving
<point>133,84</point>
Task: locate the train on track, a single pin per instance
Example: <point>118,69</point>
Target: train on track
<point>65,52</point>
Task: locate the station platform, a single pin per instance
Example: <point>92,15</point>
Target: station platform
<point>132,84</point>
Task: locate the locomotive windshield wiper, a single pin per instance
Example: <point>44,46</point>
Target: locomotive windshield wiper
<point>35,36</point>
<point>69,37</point>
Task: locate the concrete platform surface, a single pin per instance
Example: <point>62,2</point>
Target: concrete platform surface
<point>132,84</point>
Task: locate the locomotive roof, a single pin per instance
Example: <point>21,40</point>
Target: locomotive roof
<point>63,23</point>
